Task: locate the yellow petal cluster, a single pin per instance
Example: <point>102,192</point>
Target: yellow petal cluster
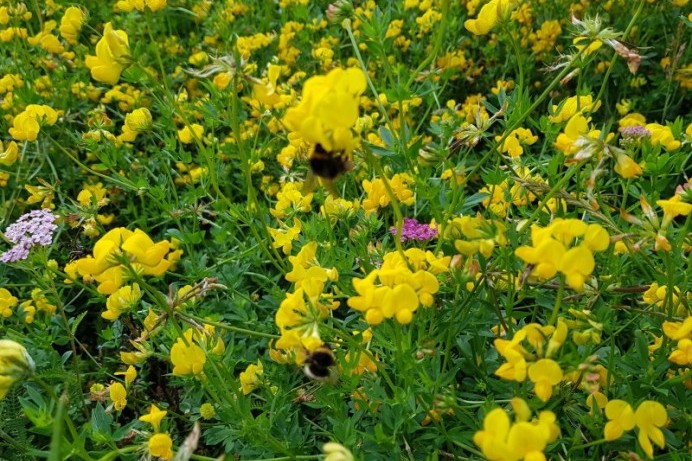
<point>682,333</point>
<point>649,417</point>
<point>475,234</point>
<point>377,192</point>
<point>118,395</point>
<point>154,417</point>
<point>329,109</point>
<point>27,124</point>
<point>565,246</point>
<point>139,5</point>
<point>302,311</point>
<point>488,17</point>
<point>136,122</point>
<point>186,356</point>
<point>112,56</point>
<point>514,142</point>
<point>15,363</point>
<point>7,302</point>
<point>504,440</point>
<point>160,446</point>
<point>251,377</point>
<point>398,287</point>
<point>528,354</point>
<point>143,255</point>
<point>71,24</point>
<point>122,300</point>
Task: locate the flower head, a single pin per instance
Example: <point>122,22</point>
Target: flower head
<point>160,446</point>
<point>251,377</point>
<point>71,24</point>
<point>154,417</point>
<point>15,363</point>
<point>329,109</point>
<point>31,229</point>
<point>118,395</point>
<point>187,358</point>
<point>649,417</point>
<point>413,230</point>
<point>112,56</point>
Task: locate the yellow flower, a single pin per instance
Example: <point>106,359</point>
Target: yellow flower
<point>145,256</point>
<point>112,56</point>
<point>503,441</point>
<point>569,141</point>
<point>626,167</point>
<point>71,24</point>
<point>15,363</point>
<point>154,417</point>
<point>488,17</point>
<point>191,133</point>
<point>678,330</point>
<point>283,238</point>
<point>573,105</point>
<point>596,238</point>
<point>649,417</point>
<point>662,135</point>
<point>545,374</point>
<point>187,358</point>
<point>130,375</point>
<point>516,368</point>
<point>377,192</point>
<point>124,299</point>
<point>682,355</point>
<point>674,207</point>
<point>328,109</point>
<point>118,395</point>
<point>621,419</point>
<point>139,5</point>
<point>7,302</point>
<point>142,250</point>
<point>137,121</point>
<point>513,143</point>
<point>27,124</point>
<point>633,119</point>
<point>596,400</point>
<point>336,452</point>
<point>160,446</point>
<point>207,411</point>
<point>9,154</point>
<point>251,377</point>
<point>265,93</point>
<point>577,264</point>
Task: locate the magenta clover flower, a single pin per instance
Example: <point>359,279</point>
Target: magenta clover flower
<point>413,230</point>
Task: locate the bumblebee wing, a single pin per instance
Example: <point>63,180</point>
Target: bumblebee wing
<point>309,183</point>
<point>330,185</point>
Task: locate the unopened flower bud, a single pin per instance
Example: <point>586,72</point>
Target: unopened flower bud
<point>339,10</point>
<point>15,363</point>
<point>336,452</point>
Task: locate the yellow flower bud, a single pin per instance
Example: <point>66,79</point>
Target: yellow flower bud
<point>15,363</point>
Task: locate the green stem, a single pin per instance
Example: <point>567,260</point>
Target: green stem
<point>439,38</point>
<point>517,55</point>
<point>558,302</point>
<point>392,199</point>
<point>615,56</point>
<point>223,326</point>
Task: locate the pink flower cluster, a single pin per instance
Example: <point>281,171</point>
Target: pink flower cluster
<point>31,229</point>
<point>413,230</point>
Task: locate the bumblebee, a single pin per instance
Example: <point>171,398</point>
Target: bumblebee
<point>328,165</point>
<point>319,364</point>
